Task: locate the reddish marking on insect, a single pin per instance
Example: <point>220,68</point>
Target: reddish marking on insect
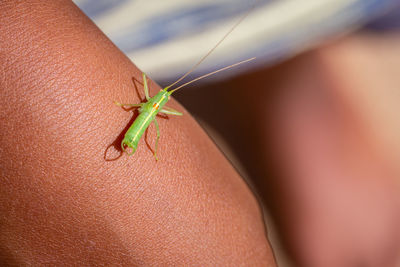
<point>155,105</point>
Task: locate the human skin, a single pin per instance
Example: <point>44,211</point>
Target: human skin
<point>67,197</point>
<point>319,136</point>
<point>336,141</point>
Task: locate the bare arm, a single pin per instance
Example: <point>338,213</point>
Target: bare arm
<point>62,202</point>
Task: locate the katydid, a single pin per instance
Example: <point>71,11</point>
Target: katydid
<point>148,110</point>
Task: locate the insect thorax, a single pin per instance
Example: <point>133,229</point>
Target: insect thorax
<point>156,103</point>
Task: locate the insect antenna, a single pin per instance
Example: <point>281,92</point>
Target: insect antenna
<point>212,49</point>
<point>211,73</point>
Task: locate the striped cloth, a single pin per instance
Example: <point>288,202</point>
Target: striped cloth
<point>166,38</point>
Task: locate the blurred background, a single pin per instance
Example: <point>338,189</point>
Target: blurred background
<point>312,124</point>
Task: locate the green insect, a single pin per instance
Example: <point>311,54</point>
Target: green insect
<point>156,104</point>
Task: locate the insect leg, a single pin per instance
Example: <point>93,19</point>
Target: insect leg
<point>128,105</point>
<point>170,111</point>
<point>146,88</point>
<point>158,137</point>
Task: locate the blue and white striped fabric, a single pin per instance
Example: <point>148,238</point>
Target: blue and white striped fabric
<point>165,38</point>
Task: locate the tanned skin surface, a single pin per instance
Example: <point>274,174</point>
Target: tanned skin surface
<point>62,202</point>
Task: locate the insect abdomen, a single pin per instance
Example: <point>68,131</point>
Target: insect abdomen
<point>137,129</point>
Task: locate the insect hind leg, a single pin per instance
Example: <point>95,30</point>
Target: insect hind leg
<point>158,137</point>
